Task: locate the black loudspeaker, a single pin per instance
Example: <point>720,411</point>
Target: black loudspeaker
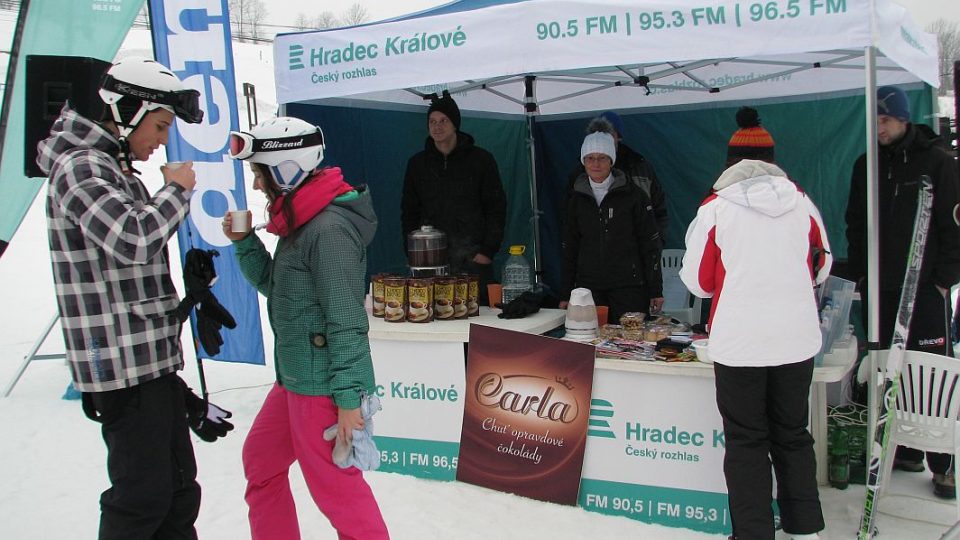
<point>51,82</point>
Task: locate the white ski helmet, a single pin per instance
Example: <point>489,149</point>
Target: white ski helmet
<point>290,147</point>
<point>151,85</point>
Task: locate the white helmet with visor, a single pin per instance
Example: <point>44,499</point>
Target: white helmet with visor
<point>152,86</point>
<point>290,147</point>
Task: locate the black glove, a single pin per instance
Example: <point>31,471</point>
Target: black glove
<point>521,306</point>
<point>199,274</point>
<point>204,418</point>
<point>211,317</point>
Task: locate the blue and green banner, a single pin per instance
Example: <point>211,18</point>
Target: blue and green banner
<point>90,28</point>
<point>192,38</point>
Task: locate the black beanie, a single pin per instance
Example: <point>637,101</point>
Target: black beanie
<point>447,106</point>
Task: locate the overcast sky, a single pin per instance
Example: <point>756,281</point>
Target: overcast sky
<point>286,11</point>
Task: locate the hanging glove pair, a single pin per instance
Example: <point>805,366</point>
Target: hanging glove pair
<point>527,303</point>
<point>199,275</point>
<point>362,452</point>
<point>205,419</point>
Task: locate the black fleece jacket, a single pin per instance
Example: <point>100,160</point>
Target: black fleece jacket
<point>901,166</point>
<point>613,245</point>
<point>459,194</point>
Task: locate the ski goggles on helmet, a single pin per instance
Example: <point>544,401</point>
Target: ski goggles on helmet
<point>243,145</point>
<point>185,104</point>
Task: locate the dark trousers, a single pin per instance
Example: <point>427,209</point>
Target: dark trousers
<point>929,332</point>
<point>154,493</point>
<point>765,412</point>
<point>622,300</point>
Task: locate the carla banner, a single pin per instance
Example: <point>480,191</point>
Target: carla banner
<point>526,413</point>
<point>192,38</point>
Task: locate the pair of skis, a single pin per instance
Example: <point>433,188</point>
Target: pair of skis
<point>891,381</point>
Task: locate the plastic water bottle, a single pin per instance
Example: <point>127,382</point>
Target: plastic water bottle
<point>516,275</point>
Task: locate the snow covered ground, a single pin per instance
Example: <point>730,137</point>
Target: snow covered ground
<point>53,460</point>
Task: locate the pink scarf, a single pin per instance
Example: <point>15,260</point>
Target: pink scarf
<point>308,201</point>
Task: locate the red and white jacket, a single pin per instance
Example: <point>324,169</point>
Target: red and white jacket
<point>758,247</point>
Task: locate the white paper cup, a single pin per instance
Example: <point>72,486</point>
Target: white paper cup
<point>239,221</point>
<point>173,165</point>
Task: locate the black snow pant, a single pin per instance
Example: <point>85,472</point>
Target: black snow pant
<point>154,493</point>
<point>929,332</point>
<point>765,413</point>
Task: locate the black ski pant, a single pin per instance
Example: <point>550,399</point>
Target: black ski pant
<point>154,493</point>
<point>929,332</point>
<point>765,413</point>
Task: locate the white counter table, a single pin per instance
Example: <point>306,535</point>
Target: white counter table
<point>655,445</point>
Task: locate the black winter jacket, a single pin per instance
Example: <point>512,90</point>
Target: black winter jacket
<point>459,194</point>
<point>613,245</point>
<point>640,171</point>
<point>901,166</point>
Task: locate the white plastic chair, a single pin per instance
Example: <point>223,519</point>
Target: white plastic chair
<point>927,411</point>
<point>677,300</point>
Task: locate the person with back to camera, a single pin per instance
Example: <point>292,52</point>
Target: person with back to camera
<point>611,244</point>
<point>454,185</point>
<point>758,247</point>
<point>315,285</point>
<point>117,302</point>
<point>907,152</point>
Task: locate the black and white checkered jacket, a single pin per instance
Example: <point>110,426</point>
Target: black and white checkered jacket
<point>108,240</point>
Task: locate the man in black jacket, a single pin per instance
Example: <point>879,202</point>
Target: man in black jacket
<point>906,154</point>
<point>455,186</point>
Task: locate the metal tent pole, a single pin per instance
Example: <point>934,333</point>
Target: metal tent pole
<point>32,355</point>
<point>873,243</point>
<point>530,109</point>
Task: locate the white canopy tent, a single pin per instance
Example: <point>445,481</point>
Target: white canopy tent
<point>556,57</point>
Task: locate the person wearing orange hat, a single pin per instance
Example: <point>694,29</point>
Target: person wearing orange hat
<point>757,246</point>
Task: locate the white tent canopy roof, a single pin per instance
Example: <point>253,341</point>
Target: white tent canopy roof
<point>735,50</point>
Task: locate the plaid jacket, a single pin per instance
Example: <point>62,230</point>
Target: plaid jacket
<point>111,270</point>
<point>315,286</point>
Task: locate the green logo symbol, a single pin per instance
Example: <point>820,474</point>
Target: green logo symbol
<point>600,411</point>
<point>296,57</point>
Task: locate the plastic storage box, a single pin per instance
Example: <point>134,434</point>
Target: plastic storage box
<point>834,300</point>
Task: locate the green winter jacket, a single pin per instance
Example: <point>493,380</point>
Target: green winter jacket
<point>315,287</point>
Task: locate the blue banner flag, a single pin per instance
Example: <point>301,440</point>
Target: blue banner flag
<point>192,38</point>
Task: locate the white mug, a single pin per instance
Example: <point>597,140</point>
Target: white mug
<point>239,221</point>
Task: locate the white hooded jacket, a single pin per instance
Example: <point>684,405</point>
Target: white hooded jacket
<point>758,246</point>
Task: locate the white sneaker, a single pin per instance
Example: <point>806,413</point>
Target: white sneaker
<point>811,536</point>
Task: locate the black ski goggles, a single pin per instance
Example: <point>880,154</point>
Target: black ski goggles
<point>185,103</point>
<point>244,145</point>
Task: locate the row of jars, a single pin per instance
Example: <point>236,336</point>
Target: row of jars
<point>422,300</point>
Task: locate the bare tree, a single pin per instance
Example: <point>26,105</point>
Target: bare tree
<point>355,14</point>
<point>246,16</point>
<point>258,15</point>
<point>948,37</point>
<point>326,20</point>
<point>302,22</point>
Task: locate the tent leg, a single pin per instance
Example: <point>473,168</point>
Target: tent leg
<point>530,108</point>
<point>873,231</point>
<point>32,355</point>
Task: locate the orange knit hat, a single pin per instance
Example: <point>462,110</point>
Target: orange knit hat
<point>750,141</point>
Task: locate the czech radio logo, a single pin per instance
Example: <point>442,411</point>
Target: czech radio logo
<point>601,411</point>
<point>296,57</point>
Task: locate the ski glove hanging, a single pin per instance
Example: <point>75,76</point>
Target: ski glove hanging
<point>205,419</point>
<point>199,274</point>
